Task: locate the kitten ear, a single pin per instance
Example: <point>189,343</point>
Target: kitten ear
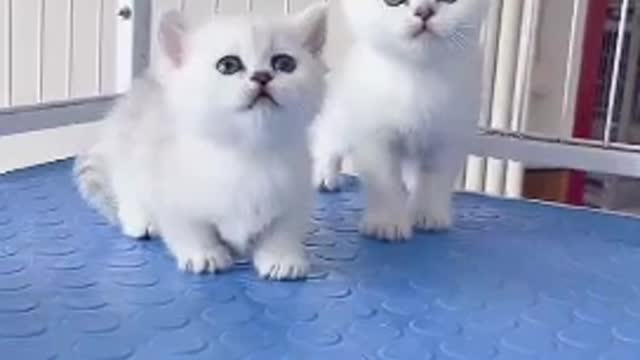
<point>171,35</point>
<point>312,25</point>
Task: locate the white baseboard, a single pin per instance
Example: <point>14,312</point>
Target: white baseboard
<point>38,147</point>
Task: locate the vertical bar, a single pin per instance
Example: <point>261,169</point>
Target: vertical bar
<point>85,54</point>
<point>100,45</point>
<point>526,50</point>
<point>588,92</point>
<point>574,59</point>
<point>108,47</point>
<point>630,88</point>
<point>615,76</point>
<point>55,50</point>
<point>142,35</point>
<point>69,54</point>
<point>5,60</point>
<point>476,166</point>
<point>504,85</point>
<point>522,94</point>
<point>25,51</point>
<point>40,17</point>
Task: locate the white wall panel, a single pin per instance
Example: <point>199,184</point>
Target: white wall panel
<point>197,12</point>
<point>25,51</point>
<point>232,6</point>
<point>297,5</point>
<point>268,7</point>
<point>85,48</point>
<point>109,47</point>
<point>52,50</point>
<point>56,49</point>
<point>5,78</point>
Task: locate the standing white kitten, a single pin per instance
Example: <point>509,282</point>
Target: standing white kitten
<point>402,108</point>
<point>210,149</point>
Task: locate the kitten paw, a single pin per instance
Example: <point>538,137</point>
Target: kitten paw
<point>327,182</point>
<point>205,260</point>
<point>135,224</point>
<point>433,221</point>
<point>326,177</point>
<point>283,265</point>
<point>153,231</point>
<point>386,227</point>
<point>136,230</point>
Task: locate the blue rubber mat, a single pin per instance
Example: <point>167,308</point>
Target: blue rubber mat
<point>512,281</point>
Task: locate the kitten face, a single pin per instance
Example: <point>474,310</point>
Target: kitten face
<point>417,29</point>
<point>249,81</point>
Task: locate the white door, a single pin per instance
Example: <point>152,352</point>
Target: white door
<point>61,62</point>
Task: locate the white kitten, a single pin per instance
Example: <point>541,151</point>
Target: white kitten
<point>210,149</point>
<point>402,108</point>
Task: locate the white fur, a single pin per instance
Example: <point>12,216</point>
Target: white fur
<point>402,108</point>
<point>183,155</point>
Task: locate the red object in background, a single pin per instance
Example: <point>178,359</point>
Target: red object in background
<point>588,93</point>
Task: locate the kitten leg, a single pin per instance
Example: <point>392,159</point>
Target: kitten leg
<point>326,172</point>
<point>134,219</point>
<point>279,253</point>
<point>386,216</point>
<point>431,195</point>
<point>133,216</point>
<point>328,147</point>
<point>195,245</point>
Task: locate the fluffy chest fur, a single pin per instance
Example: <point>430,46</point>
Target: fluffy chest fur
<point>243,194</point>
<point>413,106</point>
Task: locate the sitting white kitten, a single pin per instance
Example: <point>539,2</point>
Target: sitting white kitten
<point>401,108</point>
<point>210,149</point>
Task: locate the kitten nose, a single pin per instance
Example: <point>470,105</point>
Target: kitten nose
<point>262,77</point>
<point>425,13</point>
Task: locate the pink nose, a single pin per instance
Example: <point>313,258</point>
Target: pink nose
<point>262,77</point>
<point>425,13</point>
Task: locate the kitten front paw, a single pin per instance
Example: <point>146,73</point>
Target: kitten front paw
<point>153,231</point>
<point>390,227</point>
<point>326,180</point>
<point>204,260</point>
<point>281,265</point>
<point>137,230</point>
<point>135,224</point>
<point>433,220</point>
<point>326,173</point>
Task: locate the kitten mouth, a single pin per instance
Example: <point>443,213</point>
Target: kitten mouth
<point>418,32</point>
<point>262,97</point>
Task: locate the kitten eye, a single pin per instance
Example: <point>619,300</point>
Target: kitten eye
<point>284,63</point>
<point>396,2</point>
<point>229,65</point>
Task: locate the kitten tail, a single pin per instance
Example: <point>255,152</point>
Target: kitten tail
<point>91,178</point>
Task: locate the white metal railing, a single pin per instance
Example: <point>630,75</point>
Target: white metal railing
<point>507,135</point>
